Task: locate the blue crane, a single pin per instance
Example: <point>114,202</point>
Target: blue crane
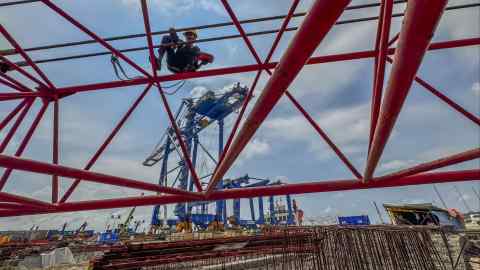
<point>193,116</point>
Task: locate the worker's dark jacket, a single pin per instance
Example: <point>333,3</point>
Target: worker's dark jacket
<point>183,58</point>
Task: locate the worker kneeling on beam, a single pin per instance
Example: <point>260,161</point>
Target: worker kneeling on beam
<point>182,56</point>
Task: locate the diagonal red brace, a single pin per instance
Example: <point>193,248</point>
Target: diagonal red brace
<point>64,171</point>
<point>320,19</point>
<point>421,19</point>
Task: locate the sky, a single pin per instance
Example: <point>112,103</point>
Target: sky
<point>286,147</point>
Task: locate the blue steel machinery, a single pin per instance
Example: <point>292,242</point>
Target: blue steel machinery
<point>192,117</point>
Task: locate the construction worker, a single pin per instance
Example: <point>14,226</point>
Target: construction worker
<point>4,67</point>
<point>182,56</point>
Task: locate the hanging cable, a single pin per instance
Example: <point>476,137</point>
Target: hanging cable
<point>117,66</point>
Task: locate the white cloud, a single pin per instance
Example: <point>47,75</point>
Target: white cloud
<point>256,147</point>
<point>347,127</point>
<point>396,165</point>
<point>476,88</point>
<point>181,7</point>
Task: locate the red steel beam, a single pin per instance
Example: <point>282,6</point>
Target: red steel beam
<point>55,148</point>
<point>15,126</point>
<point>330,143</point>
<point>249,68</point>
<point>12,114</point>
<point>6,197</point>
<point>302,188</point>
<point>24,143</point>
<point>94,36</point>
<point>12,96</point>
<point>445,99</point>
<point>27,58</point>
<point>13,86</point>
<point>107,141</point>
<point>22,71</point>
<point>448,101</point>
<point>64,171</point>
<point>320,19</point>
<point>380,61</point>
<point>421,19</point>
<point>183,147</point>
<point>259,72</point>
<point>15,82</point>
<point>436,164</point>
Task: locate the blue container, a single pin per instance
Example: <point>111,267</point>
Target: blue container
<point>354,220</point>
<point>108,238</point>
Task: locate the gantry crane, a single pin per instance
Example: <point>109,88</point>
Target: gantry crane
<point>193,116</point>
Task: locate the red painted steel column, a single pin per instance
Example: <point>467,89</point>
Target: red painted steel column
<point>421,19</point>
<point>302,188</point>
<point>314,28</point>
<point>64,171</point>
<point>107,141</point>
<point>24,142</point>
<point>12,114</point>
<point>55,146</point>
<point>15,126</point>
<point>437,164</point>
<point>381,60</point>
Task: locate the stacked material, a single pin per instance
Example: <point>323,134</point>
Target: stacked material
<point>323,247</point>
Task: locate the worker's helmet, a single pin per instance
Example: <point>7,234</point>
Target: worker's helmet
<point>192,32</point>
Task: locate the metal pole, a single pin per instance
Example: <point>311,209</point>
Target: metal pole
<point>69,172</point>
<point>261,213</point>
<point>378,212</point>
<point>12,114</point>
<point>24,143</point>
<point>273,220</point>
<point>221,205</point>
<point>380,60</point>
<point>252,209</point>
<point>15,126</point>
<point>439,196</point>
<point>107,141</point>
<point>313,187</point>
<point>194,162</point>
<point>320,19</point>
<point>55,150</point>
<point>437,164</point>
<point>290,220</point>
<point>421,19</point>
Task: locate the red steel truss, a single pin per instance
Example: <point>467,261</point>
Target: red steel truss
<point>414,41</point>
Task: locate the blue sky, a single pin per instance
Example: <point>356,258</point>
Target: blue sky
<point>336,94</point>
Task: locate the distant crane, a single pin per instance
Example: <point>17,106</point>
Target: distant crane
<point>193,116</point>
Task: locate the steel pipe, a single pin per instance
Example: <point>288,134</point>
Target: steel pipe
<point>64,171</point>
<point>320,19</point>
<point>302,188</point>
<point>421,19</point>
